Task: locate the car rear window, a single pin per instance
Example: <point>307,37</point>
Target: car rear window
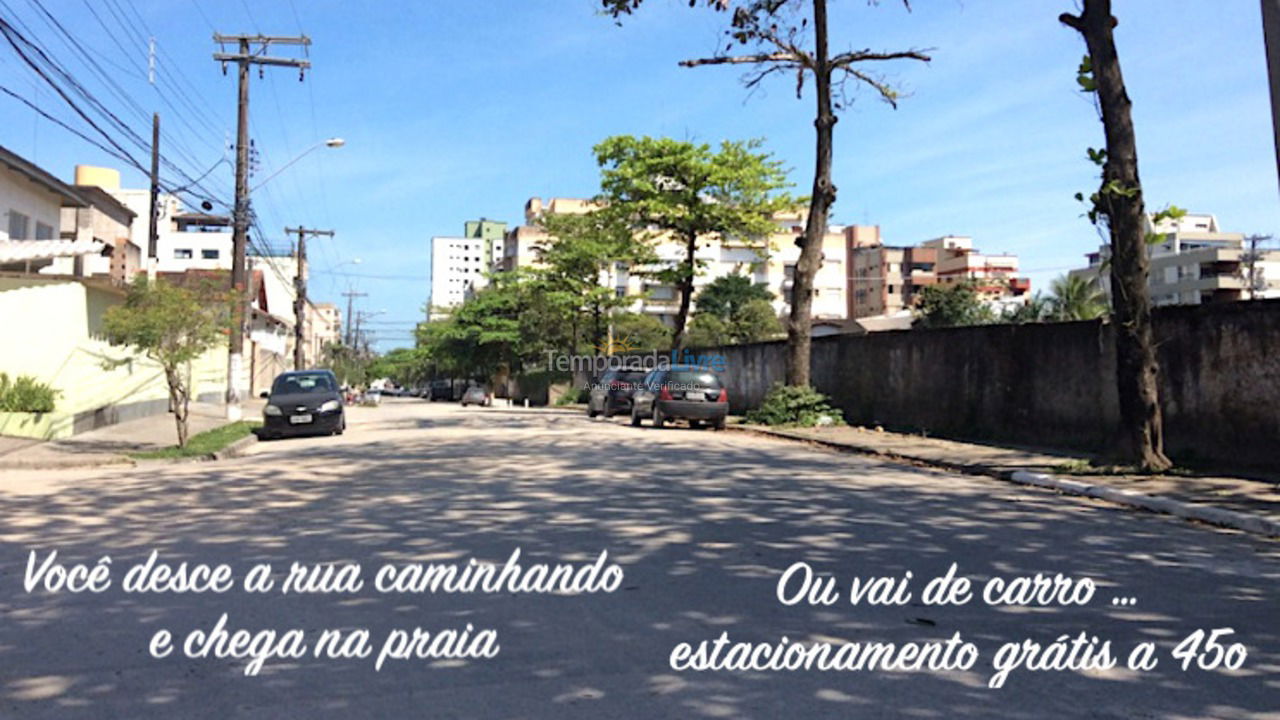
<point>693,378</point>
<point>307,383</point>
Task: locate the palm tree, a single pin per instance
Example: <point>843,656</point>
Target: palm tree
<point>1038,308</point>
<point>1075,298</point>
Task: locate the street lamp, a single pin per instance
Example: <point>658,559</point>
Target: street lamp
<point>335,142</point>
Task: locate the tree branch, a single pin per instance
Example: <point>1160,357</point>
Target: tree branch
<point>887,93</point>
<point>779,57</point>
<point>844,60</point>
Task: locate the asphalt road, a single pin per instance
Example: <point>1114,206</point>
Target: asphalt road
<point>702,524</point>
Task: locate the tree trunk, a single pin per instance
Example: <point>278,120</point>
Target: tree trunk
<point>596,333</point>
<point>686,291</point>
<point>1141,433</point>
<point>178,401</point>
<point>799,326</point>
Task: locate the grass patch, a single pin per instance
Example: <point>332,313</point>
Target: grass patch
<point>1084,467</point>
<point>205,443</point>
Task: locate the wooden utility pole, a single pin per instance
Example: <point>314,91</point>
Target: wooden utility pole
<point>1271,35</point>
<point>245,56</point>
<point>349,295</point>
<point>153,233</point>
<point>300,294</point>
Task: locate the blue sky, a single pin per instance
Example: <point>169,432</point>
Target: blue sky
<point>456,110</point>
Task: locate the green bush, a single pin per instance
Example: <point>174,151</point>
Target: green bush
<point>574,396</point>
<point>25,394</point>
<point>795,406</point>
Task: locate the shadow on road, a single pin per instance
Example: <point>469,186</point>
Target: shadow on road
<point>703,525</point>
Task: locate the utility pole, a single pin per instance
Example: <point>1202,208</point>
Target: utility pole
<point>300,288</point>
<point>153,234</point>
<point>244,57</point>
<point>1271,35</point>
<point>349,295</point>
<point>1253,274</point>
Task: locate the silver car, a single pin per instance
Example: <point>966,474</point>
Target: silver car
<point>681,392</point>
<point>476,395</point>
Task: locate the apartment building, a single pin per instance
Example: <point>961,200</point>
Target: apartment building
<point>459,264</point>
<point>1194,262</point>
<point>885,279</point>
<point>768,261</point>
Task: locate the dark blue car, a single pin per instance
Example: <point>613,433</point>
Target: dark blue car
<point>303,402</point>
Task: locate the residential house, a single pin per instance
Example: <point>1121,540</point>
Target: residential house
<point>53,321</point>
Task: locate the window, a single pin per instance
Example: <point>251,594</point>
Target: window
<point>182,253</point>
<point>209,254</point>
<point>44,232</point>
<point>18,225</point>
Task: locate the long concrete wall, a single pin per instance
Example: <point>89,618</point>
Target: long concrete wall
<point>1053,384</point>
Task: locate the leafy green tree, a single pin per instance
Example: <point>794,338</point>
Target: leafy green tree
<point>582,258</point>
<point>751,321</point>
<point>689,191</point>
<point>349,364</point>
<point>953,305</point>
<point>171,325</point>
<point>777,30</point>
<point>641,332</point>
<point>502,328</point>
<point>1119,206</point>
<point>1075,298</point>
<point>403,366</point>
<point>1036,309</point>
<point>723,296</point>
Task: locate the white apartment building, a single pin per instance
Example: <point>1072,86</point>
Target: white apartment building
<point>1195,262</point>
<point>457,270</point>
<point>459,265</point>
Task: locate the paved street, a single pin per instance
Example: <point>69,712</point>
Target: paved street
<point>702,522</point>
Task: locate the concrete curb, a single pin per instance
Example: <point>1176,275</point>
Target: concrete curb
<point>1188,511</point>
<point>237,448</point>
<point>1245,522</point>
<point>69,463</point>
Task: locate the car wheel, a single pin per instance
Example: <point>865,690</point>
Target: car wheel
<point>719,425</point>
<point>658,418</point>
<point>635,418</point>
<point>591,410</point>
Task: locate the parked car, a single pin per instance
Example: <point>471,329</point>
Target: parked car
<point>681,392</point>
<point>441,390</point>
<point>476,395</point>
<point>303,402</point>
<point>612,394</point>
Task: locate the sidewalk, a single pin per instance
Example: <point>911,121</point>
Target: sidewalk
<point>110,445</point>
<point>1240,503</point>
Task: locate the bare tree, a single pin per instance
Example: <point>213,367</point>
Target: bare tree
<point>1119,203</point>
<point>778,29</point>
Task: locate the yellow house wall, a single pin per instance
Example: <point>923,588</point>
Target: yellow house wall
<point>53,333</point>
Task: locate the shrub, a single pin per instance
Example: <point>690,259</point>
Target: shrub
<point>25,394</point>
<point>796,406</point>
<point>574,396</point>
